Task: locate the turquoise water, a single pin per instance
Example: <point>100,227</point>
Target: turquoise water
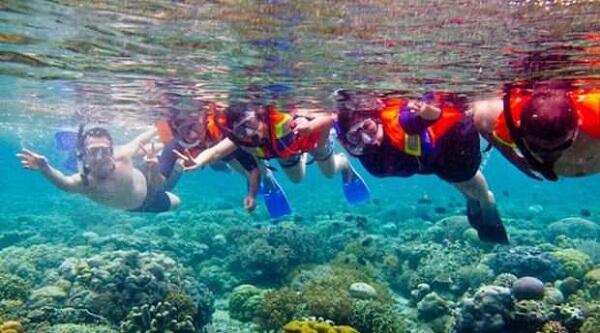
<point>70,265</point>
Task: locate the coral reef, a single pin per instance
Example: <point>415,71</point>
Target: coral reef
<point>492,309</point>
<point>244,302</point>
<point>269,253</point>
<point>11,327</point>
<point>553,327</point>
<point>487,311</point>
<point>575,228</point>
<point>313,326</point>
<point>592,283</point>
<point>13,287</point>
<point>109,285</point>
<point>573,262</point>
<point>162,317</point>
<point>527,261</point>
<point>278,308</point>
<point>375,317</point>
<point>80,328</point>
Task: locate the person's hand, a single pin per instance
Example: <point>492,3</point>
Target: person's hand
<point>180,165</point>
<point>31,160</point>
<point>150,156</point>
<point>425,110</point>
<point>187,159</point>
<point>250,203</point>
<point>301,126</point>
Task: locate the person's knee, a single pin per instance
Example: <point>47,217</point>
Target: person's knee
<point>295,173</point>
<point>327,167</point>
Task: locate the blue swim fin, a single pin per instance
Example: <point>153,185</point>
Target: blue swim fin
<point>355,188</point>
<point>67,141</point>
<point>71,163</point>
<point>275,198</point>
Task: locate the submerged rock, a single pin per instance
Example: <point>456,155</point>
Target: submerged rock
<point>362,290</point>
<point>528,288</point>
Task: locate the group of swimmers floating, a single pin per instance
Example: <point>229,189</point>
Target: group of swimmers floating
<point>546,129</point>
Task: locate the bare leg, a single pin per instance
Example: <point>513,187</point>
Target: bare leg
<point>485,218</point>
<point>333,163</point>
<point>476,188</point>
<point>296,172</point>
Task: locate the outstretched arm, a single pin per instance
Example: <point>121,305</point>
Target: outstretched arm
<point>132,148</point>
<point>313,122</point>
<point>485,113</point>
<point>253,184</point>
<point>514,158</point>
<point>33,161</point>
<point>210,155</point>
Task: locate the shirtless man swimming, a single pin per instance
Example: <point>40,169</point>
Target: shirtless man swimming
<point>108,175</point>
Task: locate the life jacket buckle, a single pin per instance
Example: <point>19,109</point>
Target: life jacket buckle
<point>412,145</point>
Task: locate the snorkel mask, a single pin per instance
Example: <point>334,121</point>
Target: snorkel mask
<point>360,139</point>
<point>188,129</point>
<point>245,131</point>
<point>97,158</point>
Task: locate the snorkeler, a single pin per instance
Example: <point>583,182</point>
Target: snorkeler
<point>399,137</point>
<point>267,133</point>
<point>108,175</point>
<point>549,128</point>
<point>193,131</point>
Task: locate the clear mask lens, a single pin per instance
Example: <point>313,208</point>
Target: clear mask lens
<point>98,153</point>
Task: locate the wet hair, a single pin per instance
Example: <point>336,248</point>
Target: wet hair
<point>239,111</point>
<point>95,132</point>
<point>549,117</point>
<point>353,108</point>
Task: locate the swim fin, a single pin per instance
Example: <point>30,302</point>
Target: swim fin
<point>275,198</point>
<point>71,163</point>
<point>66,140</point>
<point>487,223</point>
<point>355,188</point>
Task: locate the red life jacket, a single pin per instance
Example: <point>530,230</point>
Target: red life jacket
<point>416,145</point>
<point>283,143</point>
<point>585,100</point>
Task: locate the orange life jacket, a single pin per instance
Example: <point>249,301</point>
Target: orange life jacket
<point>586,101</point>
<point>417,145</point>
<point>283,143</point>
